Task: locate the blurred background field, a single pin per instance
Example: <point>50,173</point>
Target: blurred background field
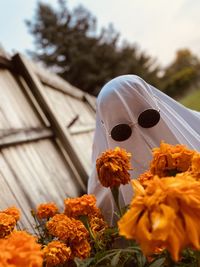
<point>192,100</point>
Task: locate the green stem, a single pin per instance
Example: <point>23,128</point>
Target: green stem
<point>37,225</point>
<point>85,221</point>
<point>115,193</point>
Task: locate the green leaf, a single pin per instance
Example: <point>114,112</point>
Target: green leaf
<point>116,259</point>
<point>158,263</point>
<point>83,263</point>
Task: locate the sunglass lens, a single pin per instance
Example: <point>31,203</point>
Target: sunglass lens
<point>121,132</point>
<point>149,118</point>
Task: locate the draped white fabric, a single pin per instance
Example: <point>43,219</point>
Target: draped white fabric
<point>121,101</point>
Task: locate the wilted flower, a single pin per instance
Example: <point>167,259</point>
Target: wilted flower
<point>7,224</point>
<point>113,166</point>
<point>169,159</point>
<point>164,214</point>
<point>81,249</point>
<point>20,249</point>
<point>13,211</point>
<point>84,205</point>
<point>56,253</point>
<point>46,210</point>
<point>67,229</point>
<point>97,225</point>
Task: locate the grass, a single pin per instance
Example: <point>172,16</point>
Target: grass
<point>192,100</point>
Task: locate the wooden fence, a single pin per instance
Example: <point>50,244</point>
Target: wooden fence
<point>46,133</point>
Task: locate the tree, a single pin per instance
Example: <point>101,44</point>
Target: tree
<point>182,74</point>
<point>67,41</point>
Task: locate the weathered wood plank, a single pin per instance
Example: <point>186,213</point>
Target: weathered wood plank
<point>66,109</point>
<point>59,174</point>
<point>30,77</point>
<point>32,101</point>
<point>50,79</point>
<point>15,109</point>
<point>12,193</point>
<point>91,100</point>
<point>20,136</point>
<point>5,63</point>
<point>40,175</point>
<point>81,129</point>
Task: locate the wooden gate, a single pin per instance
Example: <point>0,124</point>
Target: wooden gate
<point>46,132</point>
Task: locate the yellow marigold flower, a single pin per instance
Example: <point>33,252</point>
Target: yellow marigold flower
<point>7,224</point>
<point>81,249</point>
<point>46,210</point>
<point>84,205</point>
<point>145,177</point>
<point>164,214</point>
<point>168,159</point>
<point>13,211</point>
<point>56,253</point>
<point>113,166</point>
<point>20,249</point>
<point>67,229</point>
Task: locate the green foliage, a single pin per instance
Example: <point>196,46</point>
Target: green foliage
<point>130,256</point>
<point>192,100</point>
<point>68,42</point>
<point>182,74</point>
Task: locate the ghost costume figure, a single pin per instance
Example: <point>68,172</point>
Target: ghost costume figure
<point>135,116</point>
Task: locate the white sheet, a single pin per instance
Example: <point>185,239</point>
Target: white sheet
<point>121,101</point>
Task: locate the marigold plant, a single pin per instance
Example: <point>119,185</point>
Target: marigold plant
<point>46,210</point>
<point>169,159</point>
<point>160,227</point>
<point>67,229</point>
<point>84,205</point>
<point>13,211</point>
<point>195,166</point>
<point>164,214</point>
<point>81,249</point>
<point>7,224</point>
<point>113,167</point>
<point>20,249</point>
<point>56,253</point>
<point>97,225</point>
<point>145,177</point>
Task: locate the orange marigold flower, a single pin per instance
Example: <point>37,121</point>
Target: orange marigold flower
<point>56,253</point>
<point>195,166</point>
<point>113,166</point>
<point>46,210</point>
<point>164,214</point>
<point>13,211</point>
<point>144,178</point>
<point>81,249</point>
<point>67,229</point>
<point>169,159</point>
<point>7,224</point>
<point>20,249</point>
<point>84,205</point>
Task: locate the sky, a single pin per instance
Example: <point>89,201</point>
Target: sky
<point>158,27</point>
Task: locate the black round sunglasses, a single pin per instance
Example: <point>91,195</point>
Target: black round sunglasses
<point>146,119</point>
